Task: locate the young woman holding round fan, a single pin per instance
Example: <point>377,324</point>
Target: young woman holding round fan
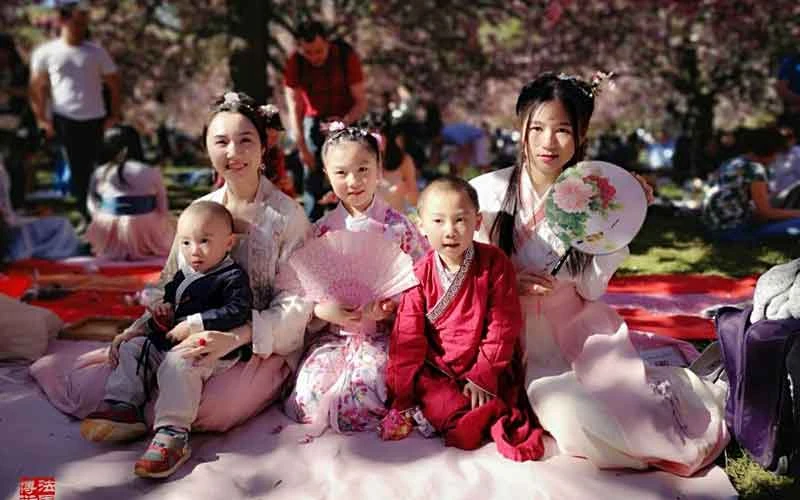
<point>340,382</point>
<point>268,227</point>
<point>584,376</point>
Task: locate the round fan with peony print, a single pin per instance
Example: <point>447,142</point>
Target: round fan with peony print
<point>347,267</point>
<point>595,207</point>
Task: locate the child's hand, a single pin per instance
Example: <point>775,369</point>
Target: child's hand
<point>339,314</point>
<point>478,397</point>
<point>163,315</point>
<point>532,284</point>
<point>179,332</point>
<point>116,342</point>
<point>113,351</point>
<point>395,426</point>
<point>379,310</point>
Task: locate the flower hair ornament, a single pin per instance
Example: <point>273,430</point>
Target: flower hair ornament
<point>598,79</point>
<point>336,126</point>
<point>267,109</point>
<point>231,98</point>
<point>593,89</point>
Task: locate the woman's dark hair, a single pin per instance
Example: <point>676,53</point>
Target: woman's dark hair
<point>393,154</point>
<point>352,134</point>
<point>114,151</point>
<point>577,97</point>
<point>239,102</point>
<point>272,153</point>
<point>376,121</point>
<point>763,141</point>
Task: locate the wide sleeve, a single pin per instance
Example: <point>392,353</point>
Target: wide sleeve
<point>593,282</point>
<point>408,347</point>
<point>503,325</point>
<point>280,327</point>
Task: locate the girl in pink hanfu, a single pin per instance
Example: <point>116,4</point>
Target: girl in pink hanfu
<point>341,380</point>
<point>585,379</point>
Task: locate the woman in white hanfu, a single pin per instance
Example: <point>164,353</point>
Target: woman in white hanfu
<point>585,379</point>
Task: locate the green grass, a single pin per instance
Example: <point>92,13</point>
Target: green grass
<point>677,245</point>
<point>754,483</point>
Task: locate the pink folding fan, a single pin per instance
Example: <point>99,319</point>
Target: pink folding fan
<point>351,268</point>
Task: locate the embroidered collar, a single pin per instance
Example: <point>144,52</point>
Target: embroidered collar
<point>441,306</point>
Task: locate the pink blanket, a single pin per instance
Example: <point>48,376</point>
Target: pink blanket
<point>258,459</point>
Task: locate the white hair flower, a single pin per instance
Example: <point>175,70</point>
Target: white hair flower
<point>336,126</point>
<point>231,98</point>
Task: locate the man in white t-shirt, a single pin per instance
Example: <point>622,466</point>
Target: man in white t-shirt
<point>67,77</point>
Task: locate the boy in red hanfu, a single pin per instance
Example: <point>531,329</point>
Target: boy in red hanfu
<point>454,351</point>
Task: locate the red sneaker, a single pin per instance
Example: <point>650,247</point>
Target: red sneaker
<point>113,423</point>
<point>168,450</point>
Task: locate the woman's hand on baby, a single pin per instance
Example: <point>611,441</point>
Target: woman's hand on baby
<point>379,310</point>
<point>648,189</point>
<point>477,396</point>
<point>208,346</point>
<point>532,284</point>
<point>339,314</point>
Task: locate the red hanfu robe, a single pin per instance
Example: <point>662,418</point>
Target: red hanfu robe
<point>470,332</point>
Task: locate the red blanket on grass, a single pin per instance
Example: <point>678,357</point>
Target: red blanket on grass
<point>624,293</point>
<point>95,290</point>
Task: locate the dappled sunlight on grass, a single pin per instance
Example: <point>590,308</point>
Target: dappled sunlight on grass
<point>677,244</point>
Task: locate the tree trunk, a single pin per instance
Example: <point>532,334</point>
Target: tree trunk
<point>701,130</point>
<point>249,22</point>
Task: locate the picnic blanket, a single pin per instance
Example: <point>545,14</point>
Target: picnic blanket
<point>678,306</point>
<point>96,287</point>
<point>264,458</point>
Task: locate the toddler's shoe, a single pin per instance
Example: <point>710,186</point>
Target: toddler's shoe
<point>168,450</point>
<point>113,422</point>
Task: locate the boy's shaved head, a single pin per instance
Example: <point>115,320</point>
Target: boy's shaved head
<point>449,183</point>
<point>213,209</point>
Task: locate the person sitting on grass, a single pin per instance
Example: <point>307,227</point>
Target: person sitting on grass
<point>737,206</point>
<point>51,237</point>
